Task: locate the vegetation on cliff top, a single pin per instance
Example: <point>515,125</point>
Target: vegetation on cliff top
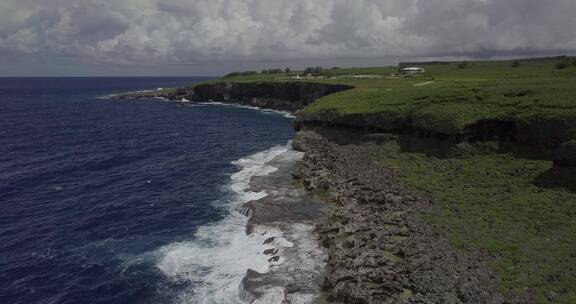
<point>490,201</point>
<point>451,95</point>
<point>503,203</point>
<point>447,97</point>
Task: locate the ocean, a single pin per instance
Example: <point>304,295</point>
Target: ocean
<point>127,201</point>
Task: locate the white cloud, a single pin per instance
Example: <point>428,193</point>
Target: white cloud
<point>136,31</point>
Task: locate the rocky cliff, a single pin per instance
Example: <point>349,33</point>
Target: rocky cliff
<point>293,96</point>
<point>532,131</point>
<point>380,250</point>
<point>284,96</point>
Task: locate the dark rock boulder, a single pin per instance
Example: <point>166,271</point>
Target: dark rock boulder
<point>565,155</point>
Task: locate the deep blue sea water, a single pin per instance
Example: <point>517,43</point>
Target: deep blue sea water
<point>92,189</point>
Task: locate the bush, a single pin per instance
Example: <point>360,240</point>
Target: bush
<point>272,71</point>
<point>516,64</point>
<point>233,74</point>
<point>236,74</point>
<point>314,70</point>
<point>463,65</point>
<point>562,64</point>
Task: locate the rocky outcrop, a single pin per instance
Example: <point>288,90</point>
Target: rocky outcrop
<point>285,96</point>
<point>380,251</point>
<point>565,155</point>
<point>548,133</point>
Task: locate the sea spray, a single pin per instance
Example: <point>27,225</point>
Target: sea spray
<point>218,258</point>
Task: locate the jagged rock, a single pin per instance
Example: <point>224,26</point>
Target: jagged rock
<point>285,96</point>
<point>270,251</point>
<point>379,249</point>
<point>565,155</point>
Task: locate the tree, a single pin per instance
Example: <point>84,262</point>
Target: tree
<point>562,64</point>
<point>233,74</point>
<point>463,65</point>
<point>516,64</point>
<point>287,71</point>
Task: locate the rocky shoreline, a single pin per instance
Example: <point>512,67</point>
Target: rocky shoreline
<point>380,250</point>
<point>285,219</point>
<point>282,96</point>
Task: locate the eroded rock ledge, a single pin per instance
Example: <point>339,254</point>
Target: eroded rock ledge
<point>380,251</point>
<point>284,96</point>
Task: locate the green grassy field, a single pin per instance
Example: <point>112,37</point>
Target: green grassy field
<point>489,201</point>
<point>447,98</point>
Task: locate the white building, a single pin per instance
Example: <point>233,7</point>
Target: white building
<point>412,70</point>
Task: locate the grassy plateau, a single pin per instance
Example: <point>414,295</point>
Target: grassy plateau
<point>488,199</point>
<point>451,95</point>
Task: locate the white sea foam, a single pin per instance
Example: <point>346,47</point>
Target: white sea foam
<point>265,111</point>
<point>111,96</point>
<point>218,258</point>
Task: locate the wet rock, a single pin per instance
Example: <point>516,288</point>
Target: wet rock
<point>270,251</point>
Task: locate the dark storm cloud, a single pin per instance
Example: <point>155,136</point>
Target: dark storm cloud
<point>162,31</point>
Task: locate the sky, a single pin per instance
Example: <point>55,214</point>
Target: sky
<point>214,37</point>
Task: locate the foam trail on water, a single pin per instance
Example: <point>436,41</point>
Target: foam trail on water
<point>217,260</point>
<point>265,111</point>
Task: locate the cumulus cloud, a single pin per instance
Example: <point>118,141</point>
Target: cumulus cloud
<point>144,31</point>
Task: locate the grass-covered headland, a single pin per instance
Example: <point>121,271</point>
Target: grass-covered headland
<point>477,137</point>
<point>534,96</point>
<point>496,195</point>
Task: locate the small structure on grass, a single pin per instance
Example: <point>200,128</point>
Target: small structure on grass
<point>411,70</point>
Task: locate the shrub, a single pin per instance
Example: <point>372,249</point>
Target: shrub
<point>233,74</point>
<point>463,65</point>
<point>562,64</point>
<point>314,70</point>
<point>516,64</point>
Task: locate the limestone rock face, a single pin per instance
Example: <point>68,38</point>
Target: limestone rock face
<point>284,96</point>
<point>565,155</point>
<point>380,251</point>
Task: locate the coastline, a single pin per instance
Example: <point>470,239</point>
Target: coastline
<point>373,245</point>
<point>265,250</point>
<point>381,245</point>
<point>297,259</point>
<point>380,249</point>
